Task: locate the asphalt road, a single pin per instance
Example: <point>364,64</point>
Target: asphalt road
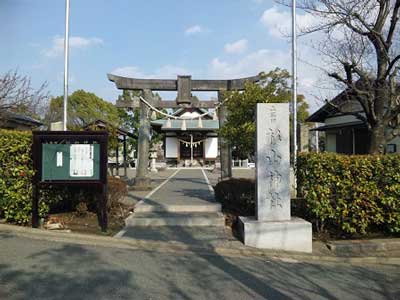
<point>39,269</point>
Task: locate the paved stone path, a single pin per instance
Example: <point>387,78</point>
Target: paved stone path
<point>185,207</point>
<point>156,178</point>
<point>185,186</point>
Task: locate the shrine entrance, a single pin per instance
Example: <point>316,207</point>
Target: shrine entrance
<point>184,85</point>
<point>191,147</point>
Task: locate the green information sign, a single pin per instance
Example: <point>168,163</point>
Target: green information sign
<point>70,162</point>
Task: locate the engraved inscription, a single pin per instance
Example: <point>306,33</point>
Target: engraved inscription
<point>273,114</point>
<point>276,200</point>
<point>273,158</point>
<point>274,136</point>
<point>273,162</point>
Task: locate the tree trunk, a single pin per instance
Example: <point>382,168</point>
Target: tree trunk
<point>378,138</point>
<point>378,141</point>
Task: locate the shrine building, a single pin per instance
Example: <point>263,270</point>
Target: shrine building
<point>191,139</point>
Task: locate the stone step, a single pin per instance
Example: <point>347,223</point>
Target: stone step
<point>175,219</point>
<point>146,207</point>
<point>202,236</point>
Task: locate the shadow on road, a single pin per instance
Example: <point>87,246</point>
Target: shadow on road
<point>69,272</point>
<point>263,279</point>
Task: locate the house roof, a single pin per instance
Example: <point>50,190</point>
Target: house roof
<point>27,119</point>
<point>15,118</point>
<point>328,109</point>
<point>191,125</point>
<point>355,124</point>
<point>103,124</point>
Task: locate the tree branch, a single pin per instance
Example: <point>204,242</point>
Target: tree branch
<point>393,24</point>
<point>16,93</point>
<point>391,65</point>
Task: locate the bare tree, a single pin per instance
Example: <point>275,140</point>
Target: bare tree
<point>17,95</point>
<point>362,45</point>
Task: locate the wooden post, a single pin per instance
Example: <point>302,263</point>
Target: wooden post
<point>35,205</point>
<point>224,147</point>
<point>102,208</point>
<point>104,211</point>
<point>117,158</point>
<point>142,179</point>
<point>103,201</point>
<point>125,160</point>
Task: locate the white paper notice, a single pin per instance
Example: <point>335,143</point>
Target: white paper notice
<point>59,159</point>
<point>81,160</point>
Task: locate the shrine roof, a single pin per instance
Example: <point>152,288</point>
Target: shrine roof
<point>191,125</point>
<point>182,110</point>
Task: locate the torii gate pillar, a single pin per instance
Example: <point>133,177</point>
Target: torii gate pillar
<point>142,181</point>
<point>225,153</point>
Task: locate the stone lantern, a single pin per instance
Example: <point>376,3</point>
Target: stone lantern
<point>153,156</point>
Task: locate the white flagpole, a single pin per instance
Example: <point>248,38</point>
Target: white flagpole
<point>294,92</point>
<point>66,48</point>
<point>294,81</point>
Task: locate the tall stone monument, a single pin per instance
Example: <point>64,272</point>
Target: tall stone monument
<point>273,227</point>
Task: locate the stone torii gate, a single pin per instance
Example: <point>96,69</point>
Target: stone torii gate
<point>184,85</point>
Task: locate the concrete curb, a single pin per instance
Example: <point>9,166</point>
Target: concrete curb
<point>360,247</point>
<point>175,247</point>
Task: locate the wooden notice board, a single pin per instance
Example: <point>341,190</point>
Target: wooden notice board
<point>71,158</point>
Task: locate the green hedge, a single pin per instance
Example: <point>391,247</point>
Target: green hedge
<point>15,177</point>
<point>351,194</point>
<point>236,195</point>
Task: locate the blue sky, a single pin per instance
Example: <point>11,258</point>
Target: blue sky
<point>208,39</point>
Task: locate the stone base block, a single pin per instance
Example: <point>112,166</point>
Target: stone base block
<point>293,235</point>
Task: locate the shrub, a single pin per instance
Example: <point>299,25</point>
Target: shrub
<point>237,195</point>
<point>351,194</point>
<point>15,177</point>
<point>81,209</point>
<point>117,189</point>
